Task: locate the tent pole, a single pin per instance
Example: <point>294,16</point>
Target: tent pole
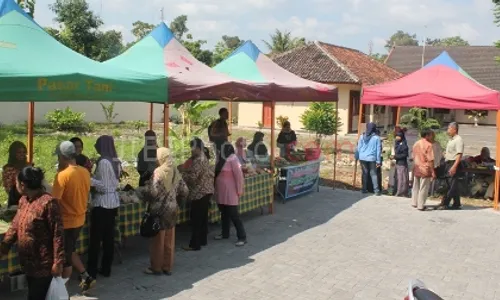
<point>166,124</point>
<point>151,112</point>
<point>31,123</point>
<point>355,148</point>
<point>230,113</point>
<point>335,143</point>
<point>496,196</point>
<point>273,146</point>
<point>398,116</point>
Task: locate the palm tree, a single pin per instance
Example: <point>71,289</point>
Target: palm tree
<point>28,6</point>
<point>282,41</point>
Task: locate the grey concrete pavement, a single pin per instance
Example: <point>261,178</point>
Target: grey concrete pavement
<point>327,245</point>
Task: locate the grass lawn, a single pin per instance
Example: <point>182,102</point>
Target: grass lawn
<point>129,142</point>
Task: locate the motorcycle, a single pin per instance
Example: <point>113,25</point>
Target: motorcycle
<point>418,291</point>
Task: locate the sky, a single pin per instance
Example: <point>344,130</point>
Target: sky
<point>349,23</point>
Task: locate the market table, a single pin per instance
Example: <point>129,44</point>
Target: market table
<point>297,179</point>
<point>258,193</point>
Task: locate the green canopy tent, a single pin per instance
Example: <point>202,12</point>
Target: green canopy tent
<point>34,67</point>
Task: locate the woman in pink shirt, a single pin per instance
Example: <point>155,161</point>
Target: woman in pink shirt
<point>229,183</point>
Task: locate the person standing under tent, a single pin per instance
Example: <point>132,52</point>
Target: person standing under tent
<point>199,178</point>
<point>38,231</point>
<point>72,187</point>
<point>453,167</point>
<point>218,131</point>
<point>162,194</point>
<point>146,159</point>
<point>17,160</point>
<point>105,204</point>
<point>423,169</point>
<point>229,187</point>
<point>81,159</point>
<point>401,157</point>
<point>369,154</point>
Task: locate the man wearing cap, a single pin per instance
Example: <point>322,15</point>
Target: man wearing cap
<point>72,187</point>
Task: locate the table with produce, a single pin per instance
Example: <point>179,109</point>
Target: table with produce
<point>298,172</point>
<point>258,193</point>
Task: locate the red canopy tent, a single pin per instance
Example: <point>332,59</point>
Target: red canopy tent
<point>437,87</point>
<point>433,87</point>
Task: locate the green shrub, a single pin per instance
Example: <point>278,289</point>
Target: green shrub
<point>321,119</point>
<point>66,120</point>
<point>109,112</point>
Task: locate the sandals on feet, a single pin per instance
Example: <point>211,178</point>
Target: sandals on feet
<point>150,271</point>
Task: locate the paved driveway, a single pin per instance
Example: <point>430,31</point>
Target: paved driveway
<point>328,245</point>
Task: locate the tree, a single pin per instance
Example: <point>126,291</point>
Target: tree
<point>496,14</point>
<point>225,47</point>
<point>179,26</point>
<point>417,118</point>
<point>449,41</point>
<point>79,30</point>
<point>194,47</point>
<point>282,41</point>
<point>28,6</point>
<point>109,44</point>
<point>379,57</point>
<point>321,118</point>
<point>141,29</point>
<point>401,38</point>
<point>192,113</point>
<point>79,25</point>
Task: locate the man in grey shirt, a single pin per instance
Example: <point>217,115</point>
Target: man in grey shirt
<point>453,158</point>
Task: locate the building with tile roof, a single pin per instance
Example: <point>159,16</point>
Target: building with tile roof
<point>348,69</point>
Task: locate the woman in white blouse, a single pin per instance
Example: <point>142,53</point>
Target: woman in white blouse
<point>105,204</point>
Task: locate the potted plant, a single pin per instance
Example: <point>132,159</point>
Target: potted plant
<point>476,115</point>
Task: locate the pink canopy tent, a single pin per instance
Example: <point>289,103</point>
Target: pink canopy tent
<point>433,87</point>
<point>437,86</point>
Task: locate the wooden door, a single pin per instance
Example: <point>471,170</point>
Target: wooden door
<point>354,103</point>
<point>266,115</point>
<point>394,115</point>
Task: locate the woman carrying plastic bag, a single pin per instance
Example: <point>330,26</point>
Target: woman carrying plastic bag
<point>37,228</point>
<point>57,289</point>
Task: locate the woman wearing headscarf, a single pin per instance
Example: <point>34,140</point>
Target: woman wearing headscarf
<point>229,182</point>
<point>162,192</point>
<point>241,143</point>
<point>38,231</point>
<point>369,154</point>
<point>16,162</point>
<point>105,203</point>
<point>257,149</point>
<point>401,152</point>
<point>81,159</point>
<point>199,178</point>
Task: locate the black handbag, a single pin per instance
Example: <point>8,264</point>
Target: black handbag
<point>150,224</point>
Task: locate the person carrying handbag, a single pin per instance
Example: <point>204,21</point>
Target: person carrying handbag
<point>162,192</point>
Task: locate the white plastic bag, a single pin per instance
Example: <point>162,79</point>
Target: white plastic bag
<point>57,289</point>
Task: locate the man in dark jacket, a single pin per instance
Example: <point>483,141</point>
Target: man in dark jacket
<point>146,159</point>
